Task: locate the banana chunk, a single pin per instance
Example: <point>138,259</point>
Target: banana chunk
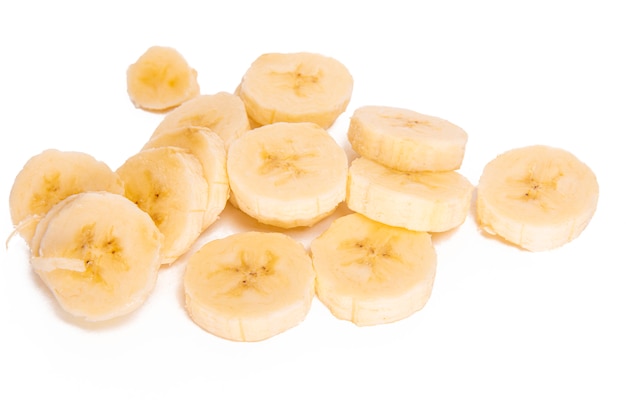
<point>287,174</point>
<point>99,255</point>
<point>536,197</point>
<point>168,183</point>
<point>161,79</point>
<point>405,140</point>
<point>51,176</point>
<point>249,286</point>
<point>370,273</point>
<point>296,87</point>
<point>421,201</point>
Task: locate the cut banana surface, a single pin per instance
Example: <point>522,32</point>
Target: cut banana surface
<point>161,79</point>
<point>168,183</point>
<point>99,255</point>
<point>370,273</point>
<point>405,140</point>
<point>296,87</point>
<point>249,286</point>
<point>287,174</point>
<point>51,176</point>
<point>421,201</point>
<point>537,197</point>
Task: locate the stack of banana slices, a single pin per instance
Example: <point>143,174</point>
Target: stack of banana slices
<point>98,236</point>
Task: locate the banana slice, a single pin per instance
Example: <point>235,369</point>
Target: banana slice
<point>99,255</point>
<point>296,87</point>
<point>287,174</point>
<point>249,286</point>
<point>161,79</point>
<point>51,176</point>
<point>208,147</point>
<point>223,113</point>
<point>168,183</point>
<point>536,197</point>
<point>421,201</point>
<point>406,140</point>
<point>370,273</point>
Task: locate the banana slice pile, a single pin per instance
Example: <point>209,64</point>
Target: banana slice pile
<point>98,236</point>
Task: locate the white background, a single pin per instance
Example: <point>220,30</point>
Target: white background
<point>505,333</point>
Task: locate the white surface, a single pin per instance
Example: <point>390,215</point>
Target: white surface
<point>505,333</point>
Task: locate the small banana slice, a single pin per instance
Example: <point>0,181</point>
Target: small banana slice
<point>249,286</point>
<point>51,176</point>
<point>208,147</point>
<point>287,174</point>
<point>406,140</point>
<point>536,197</point>
<point>421,200</point>
<point>296,87</point>
<point>161,79</point>
<point>168,183</point>
<point>223,113</point>
<point>370,273</point>
<point>99,255</point>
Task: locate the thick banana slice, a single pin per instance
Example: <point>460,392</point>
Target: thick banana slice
<point>249,286</point>
<point>99,255</point>
<point>287,174</point>
<point>406,140</point>
<point>168,183</point>
<point>296,87</point>
<point>537,197</point>
<point>208,147</point>
<point>371,273</point>
<point>51,176</point>
<point>223,113</point>
<point>161,79</point>
<point>421,200</point>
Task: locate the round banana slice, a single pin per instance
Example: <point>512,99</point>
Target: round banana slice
<point>168,183</point>
<point>296,87</point>
<point>287,174</point>
<point>161,79</point>
<point>421,200</point>
<point>249,286</point>
<point>223,113</point>
<point>370,273</point>
<point>536,197</point>
<point>208,147</point>
<point>99,255</point>
<point>51,176</point>
<point>406,140</point>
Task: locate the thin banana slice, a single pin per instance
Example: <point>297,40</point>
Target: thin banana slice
<point>99,255</point>
<point>405,140</point>
<point>161,79</point>
<point>249,286</point>
<point>223,113</point>
<point>370,273</point>
<point>536,197</point>
<point>51,176</point>
<point>296,87</point>
<point>287,174</point>
<point>421,200</point>
<point>168,183</point>
<point>208,147</point>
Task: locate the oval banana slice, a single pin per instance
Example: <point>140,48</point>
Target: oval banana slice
<point>536,197</point>
<point>370,273</point>
<point>421,201</point>
<point>249,286</point>
<point>51,176</point>
<point>296,87</point>
<point>405,140</point>
<point>287,174</point>
<point>99,255</point>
